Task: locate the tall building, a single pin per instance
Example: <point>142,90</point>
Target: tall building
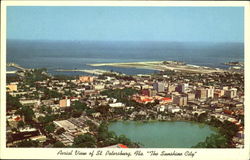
<point>171,88</point>
<point>201,93</point>
<point>152,92</point>
<point>231,93</point>
<point>145,92</point>
<point>148,92</point>
<point>218,93</point>
<point>180,100</point>
<point>210,92</point>
<point>159,86</point>
<point>190,96</point>
<point>182,88</point>
<point>234,92</point>
<point>178,88</point>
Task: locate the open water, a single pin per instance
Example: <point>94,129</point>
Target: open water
<point>77,54</point>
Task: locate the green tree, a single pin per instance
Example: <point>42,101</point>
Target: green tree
<point>202,117</point>
<point>20,124</point>
<point>12,103</point>
<point>86,140</point>
<point>79,106</point>
<point>28,143</point>
<point>27,112</point>
<point>120,94</point>
<point>47,118</point>
<point>50,128</point>
<point>213,141</point>
<point>50,94</point>
<point>59,144</point>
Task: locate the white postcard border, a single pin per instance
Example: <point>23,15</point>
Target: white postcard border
<point>51,153</point>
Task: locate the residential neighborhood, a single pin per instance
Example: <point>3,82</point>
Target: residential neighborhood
<point>55,111</point>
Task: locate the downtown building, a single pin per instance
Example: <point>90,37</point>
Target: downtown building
<point>159,86</point>
<point>180,100</point>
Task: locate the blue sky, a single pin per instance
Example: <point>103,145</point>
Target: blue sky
<point>187,24</point>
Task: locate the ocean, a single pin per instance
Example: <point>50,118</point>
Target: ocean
<point>77,54</point>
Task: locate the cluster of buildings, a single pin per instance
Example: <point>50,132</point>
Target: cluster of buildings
<point>179,96</point>
<point>71,128</point>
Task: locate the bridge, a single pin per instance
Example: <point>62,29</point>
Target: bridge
<point>15,65</point>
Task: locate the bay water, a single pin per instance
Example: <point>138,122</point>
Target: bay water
<point>78,54</point>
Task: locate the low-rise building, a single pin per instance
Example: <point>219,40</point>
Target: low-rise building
<point>12,87</point>
<point>117,105</point>
<point>86,79</point>
<point>64,103</point>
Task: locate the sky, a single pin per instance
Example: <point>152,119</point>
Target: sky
<point>181,24</point>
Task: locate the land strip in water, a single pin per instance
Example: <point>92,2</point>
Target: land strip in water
<point>162,66</point>
<point>91,71</point>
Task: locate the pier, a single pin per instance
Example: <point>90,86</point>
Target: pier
<point>15,66</point>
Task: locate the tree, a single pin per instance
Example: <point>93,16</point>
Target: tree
<point>27,143</point>
<point>27,112</point>
<point>229,129</point>
<point>90,111</point>
<point>59,144</point>
<point>76,113</point>
<point>202,117</point>
<point>93,127</point>
<point>213,141</point>
<point>50,94</point>
<point>47,118</point>
<point>79,106</point>
<point>86,140</point>
<point>12,103</point>
<point>20,124</point>
<point>102,109</point>
<point>50,128</point>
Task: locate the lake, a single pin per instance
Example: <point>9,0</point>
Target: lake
<point>163,134</point>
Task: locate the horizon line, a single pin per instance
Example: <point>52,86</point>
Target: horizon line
<point>77,40</point>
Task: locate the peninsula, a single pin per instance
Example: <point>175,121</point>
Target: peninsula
<point>162,66</point>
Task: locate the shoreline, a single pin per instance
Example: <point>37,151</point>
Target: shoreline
<point>90,71</point>
<point>162,66</point>
<point>122,63</point>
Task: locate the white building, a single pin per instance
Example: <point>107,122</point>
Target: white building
<point>117,105</point>
<point>210,92</point>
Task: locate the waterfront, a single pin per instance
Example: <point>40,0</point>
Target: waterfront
<point>163,65</point>
<point>160,134</point>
